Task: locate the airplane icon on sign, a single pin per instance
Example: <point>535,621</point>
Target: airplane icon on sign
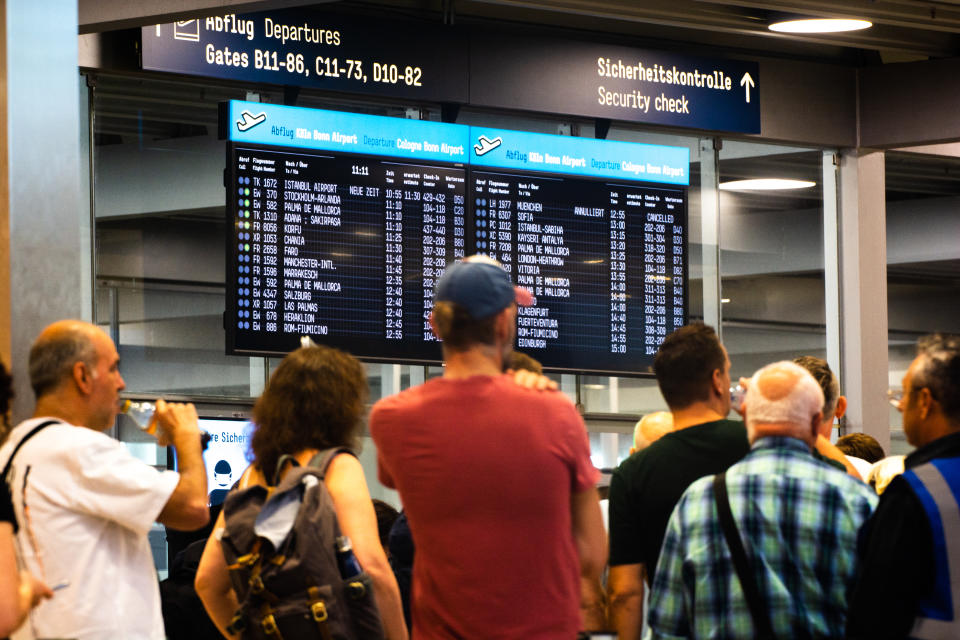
<point>487,145</point>
<point>249,121</point>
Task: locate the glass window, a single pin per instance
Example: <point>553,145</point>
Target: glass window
<point>159,234</point>
<point>771,257</point>
<point>923,260</point>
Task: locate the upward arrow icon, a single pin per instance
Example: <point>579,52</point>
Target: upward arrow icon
<point>746,81</point>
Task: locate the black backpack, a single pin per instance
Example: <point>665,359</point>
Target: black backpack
<point>287,578</point>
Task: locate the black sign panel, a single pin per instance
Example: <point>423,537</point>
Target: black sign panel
<point>312,48</point>
<point>619,83</point>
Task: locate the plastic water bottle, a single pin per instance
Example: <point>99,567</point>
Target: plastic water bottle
<point>141,413</point>
<point>737,395</point>
<point>355,583</point>
<point>346,560</point>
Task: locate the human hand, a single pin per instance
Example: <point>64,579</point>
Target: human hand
<point>176,421</point>
<point>740,391</point>
<point>32,591</point>
<point>531,380</point>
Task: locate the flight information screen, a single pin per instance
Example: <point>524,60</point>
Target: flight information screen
<point>341,224</point>
<point>596,231</point>
<point>336,244</point>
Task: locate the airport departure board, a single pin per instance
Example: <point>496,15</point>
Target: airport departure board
<point>340,225</point>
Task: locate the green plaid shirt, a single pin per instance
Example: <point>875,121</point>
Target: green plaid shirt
<point>798,519</point>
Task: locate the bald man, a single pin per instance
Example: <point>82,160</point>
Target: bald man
<point>650,428</point>
<point>84,503</point>
<point>798,520</point>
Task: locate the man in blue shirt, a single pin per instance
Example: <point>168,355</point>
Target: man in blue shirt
<point>910,549</point>
<point>797,517</point>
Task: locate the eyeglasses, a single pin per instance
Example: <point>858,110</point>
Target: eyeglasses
<point>895,396</point>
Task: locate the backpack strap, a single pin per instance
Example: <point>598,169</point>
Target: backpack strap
<point>23,441</point>
<point>323,459</point>
<point>281,464</point>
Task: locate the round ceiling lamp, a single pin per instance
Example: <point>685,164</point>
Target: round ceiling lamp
<point>766,184</point>
<point>820,25</point>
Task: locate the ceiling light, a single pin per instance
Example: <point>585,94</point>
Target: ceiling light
<point>820,25</point>
<point>766,184</point>
<point>724,300</point>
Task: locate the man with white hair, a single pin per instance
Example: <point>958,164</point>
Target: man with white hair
<point>792,520</point>
<point>650,428</point>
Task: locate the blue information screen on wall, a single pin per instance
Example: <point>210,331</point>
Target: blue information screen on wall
<point>340,225</point>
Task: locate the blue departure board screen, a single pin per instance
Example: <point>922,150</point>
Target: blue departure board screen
<point>340,225</point>
<point>596,230</point>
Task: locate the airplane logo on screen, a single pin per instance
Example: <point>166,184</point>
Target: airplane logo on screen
<point>186,30</point>
<point>249,121</point>
<point>487,145</point>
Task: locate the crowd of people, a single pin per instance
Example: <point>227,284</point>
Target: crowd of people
<point>718,528</point>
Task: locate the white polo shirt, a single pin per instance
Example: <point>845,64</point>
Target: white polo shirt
<point>85,506</point>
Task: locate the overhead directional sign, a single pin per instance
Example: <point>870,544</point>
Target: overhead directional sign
<point>619,83</point>
<point>313,48</point>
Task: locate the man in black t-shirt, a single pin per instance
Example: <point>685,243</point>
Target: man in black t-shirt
<point>693,373</point>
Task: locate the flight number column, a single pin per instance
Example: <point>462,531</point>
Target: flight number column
<point>499,223</point>
<point>260,205</point>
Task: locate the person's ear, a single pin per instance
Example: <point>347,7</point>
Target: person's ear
<point>717,381</point>
<point>924,401</point>
<point>841,407</point>
<point>433,325</point>
<point>82,377</point>
<point>815,423</point>
<point>502,326</point>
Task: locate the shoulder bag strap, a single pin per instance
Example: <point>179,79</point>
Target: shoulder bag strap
<point>323,459</point>
<point>761,617</point>
<point>23,441</point>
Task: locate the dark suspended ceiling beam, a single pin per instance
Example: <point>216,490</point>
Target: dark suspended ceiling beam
<point>108,15</point>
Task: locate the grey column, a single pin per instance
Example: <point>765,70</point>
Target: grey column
<point>49,218</point>
<point>863,293</point>
<point>710,234</point>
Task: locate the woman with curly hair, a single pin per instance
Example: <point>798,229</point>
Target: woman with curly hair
<point>313,401</point>
<point>19,590</point>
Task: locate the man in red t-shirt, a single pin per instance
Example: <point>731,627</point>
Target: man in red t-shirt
<point>496,479</point>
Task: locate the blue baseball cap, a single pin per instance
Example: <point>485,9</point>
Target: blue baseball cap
<point>481,287</point>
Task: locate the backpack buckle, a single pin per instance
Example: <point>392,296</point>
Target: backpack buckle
<point>269,625</point>
<point>356,589</point>
<point>238,623</point>
<point>319,610</point>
